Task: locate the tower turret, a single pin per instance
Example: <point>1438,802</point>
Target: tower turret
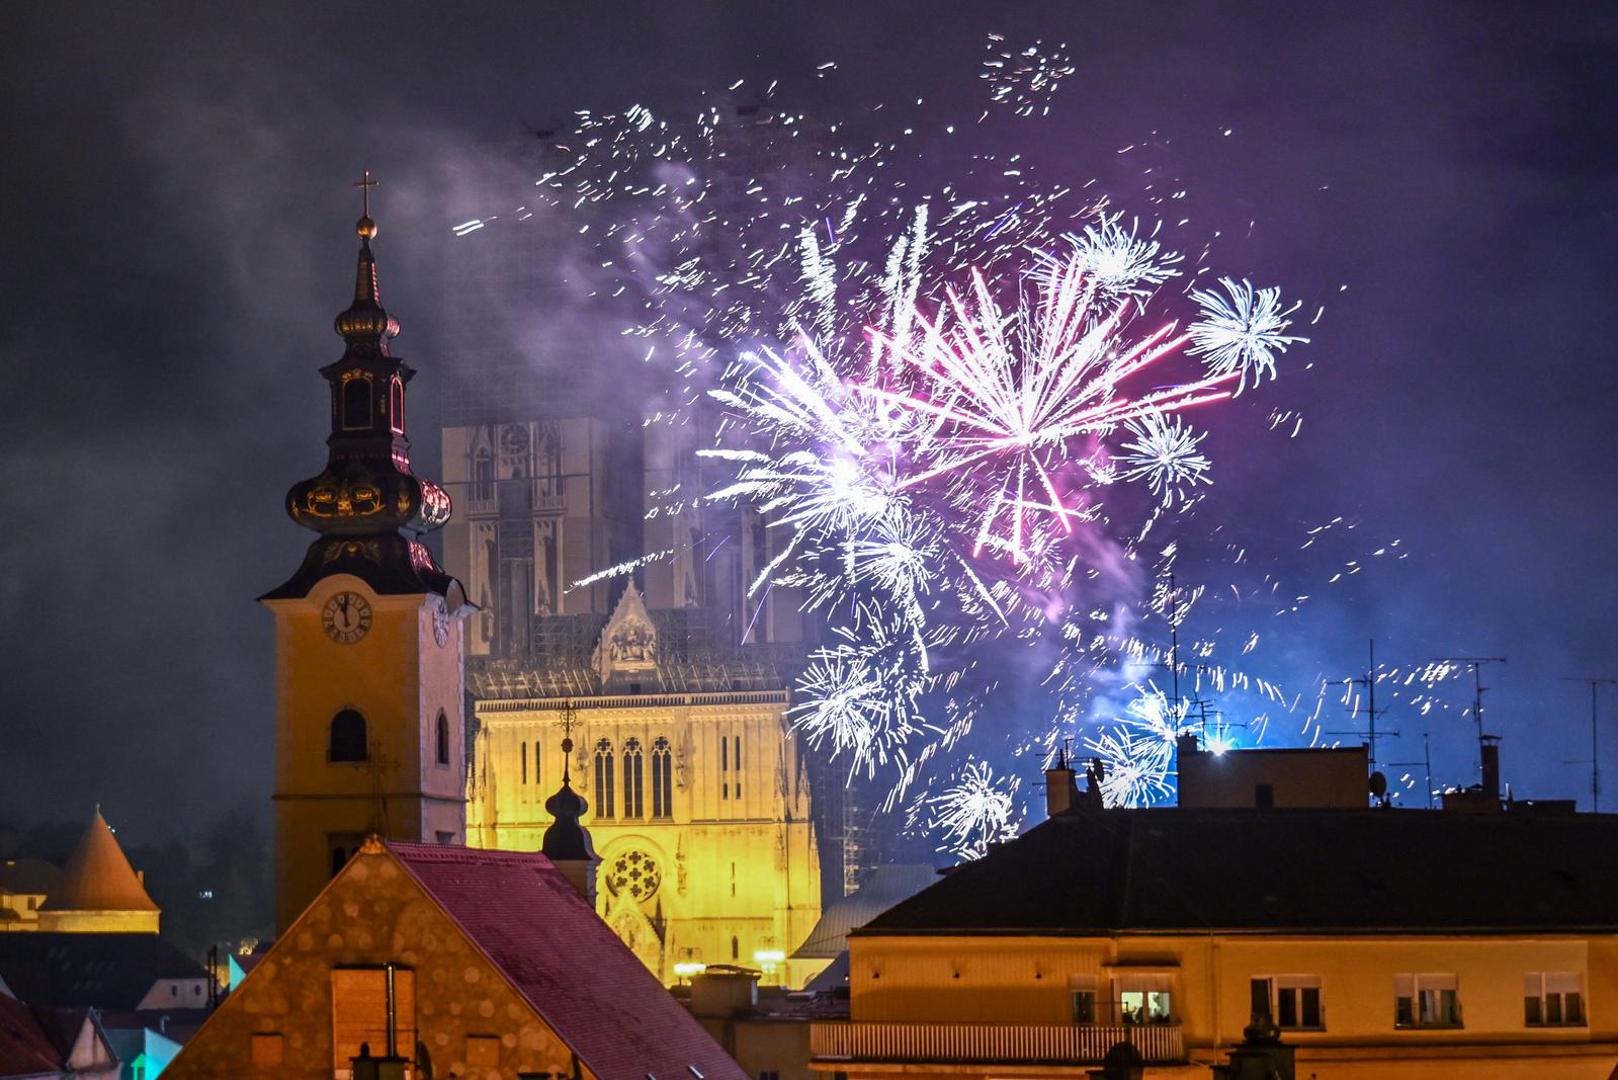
<point>367,504</point>
<point>567,842</point>
<point>370,675</point>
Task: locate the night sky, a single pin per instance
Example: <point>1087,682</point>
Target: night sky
<point>176,219</point>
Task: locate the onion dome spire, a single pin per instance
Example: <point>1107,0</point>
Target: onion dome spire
<point>366,322</point>
<point>368,504</point>
<point>566,839</point>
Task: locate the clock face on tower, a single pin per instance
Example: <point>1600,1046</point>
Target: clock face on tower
<point>346,618</point>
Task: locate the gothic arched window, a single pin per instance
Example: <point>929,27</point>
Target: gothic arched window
<point>443,738</point>
<point>347,742</point>
<point>483,475</point>
<point>662,774</point>
<point>522,761</point>
<point>396,405</point>
<point>604,779</point>
<point>356,403</point>
<point>634,806</point>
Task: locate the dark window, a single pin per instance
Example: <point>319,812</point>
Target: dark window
<point>1084,1006</point>
<point>347,737</point>
<point>483,476</point>
<point>604,779</point>
<point>1259,999</point>
<point>522,761</point>
<point>634,807</point>
<point>662,775</point>
<point>538,777</point>
<point>356,403</point>
<point>444,837</point>
<point>735,948</point>
<point>339,858</point>
<point>396,405</point>
<point>1264,797</point>
<point>736,756</point>
<point>443,738</point>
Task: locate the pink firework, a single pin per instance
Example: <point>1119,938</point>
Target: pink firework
<point>1000,400</point>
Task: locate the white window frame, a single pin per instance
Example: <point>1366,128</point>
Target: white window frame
<point>1294,985</point>
<point>1554,992</point>
<point>1421,987</point>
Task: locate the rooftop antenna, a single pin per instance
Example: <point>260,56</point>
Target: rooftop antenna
<point>1370,711</point>
<point>1426,763</point>
<point>1476,663</point>
<point>1595,746</point>
<point>1171,600</point>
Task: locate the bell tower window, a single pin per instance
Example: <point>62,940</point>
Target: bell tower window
<point>347,738</point>
<point>442,733</point>
<point>356,402</point>
<point>396,405</point>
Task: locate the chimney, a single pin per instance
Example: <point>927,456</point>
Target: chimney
<point>1061,793</point>
<point>1490,750</point>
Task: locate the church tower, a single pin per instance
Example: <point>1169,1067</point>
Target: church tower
<point>368,631</point>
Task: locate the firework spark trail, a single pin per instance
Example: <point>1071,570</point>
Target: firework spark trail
<point>925,388</point>
<point>976,811</point>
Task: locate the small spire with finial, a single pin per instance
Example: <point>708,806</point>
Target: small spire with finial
<point>366,323</point>
<point>365,226</point>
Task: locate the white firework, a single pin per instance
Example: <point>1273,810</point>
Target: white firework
<point>862,697</point>
<point>1243,332</point>
<point>1119,261</point>
<point>1138,751</point>
<point>1164,454</point>
<point>975,812</point>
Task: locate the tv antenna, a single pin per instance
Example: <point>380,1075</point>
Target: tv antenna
<point>1476,664</point>
<point>1426,763</point>
<point>1370,711</point>
<point>1172,606</point>
<point>1595,746</point>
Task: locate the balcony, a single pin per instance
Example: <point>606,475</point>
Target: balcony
<point>1066,1044</point>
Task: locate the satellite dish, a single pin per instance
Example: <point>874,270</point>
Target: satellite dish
<point>1379,784</point>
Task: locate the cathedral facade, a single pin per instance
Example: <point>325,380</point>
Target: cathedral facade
<point>672,683</point>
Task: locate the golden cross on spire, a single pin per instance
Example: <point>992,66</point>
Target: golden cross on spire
<point>567,720</point>
<point>365,184</point>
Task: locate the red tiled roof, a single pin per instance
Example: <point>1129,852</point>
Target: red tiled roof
<point>25,1049</point>
<point>572,969</point>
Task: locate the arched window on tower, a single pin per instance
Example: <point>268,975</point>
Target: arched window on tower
<point>396,405</point>
<point>634,807</point>
<point>443,738</point>
<point>356,402</point>
<point>483,476</point>
<point>604,779</point>
<point>662,774</point>
<point>347,742</point>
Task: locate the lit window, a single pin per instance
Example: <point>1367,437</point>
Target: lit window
<point>347,738</point>
<point>1288,1001</point>
<point>1552,998</point>
<point>1145,998</point>
<point>1426,1001</point>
